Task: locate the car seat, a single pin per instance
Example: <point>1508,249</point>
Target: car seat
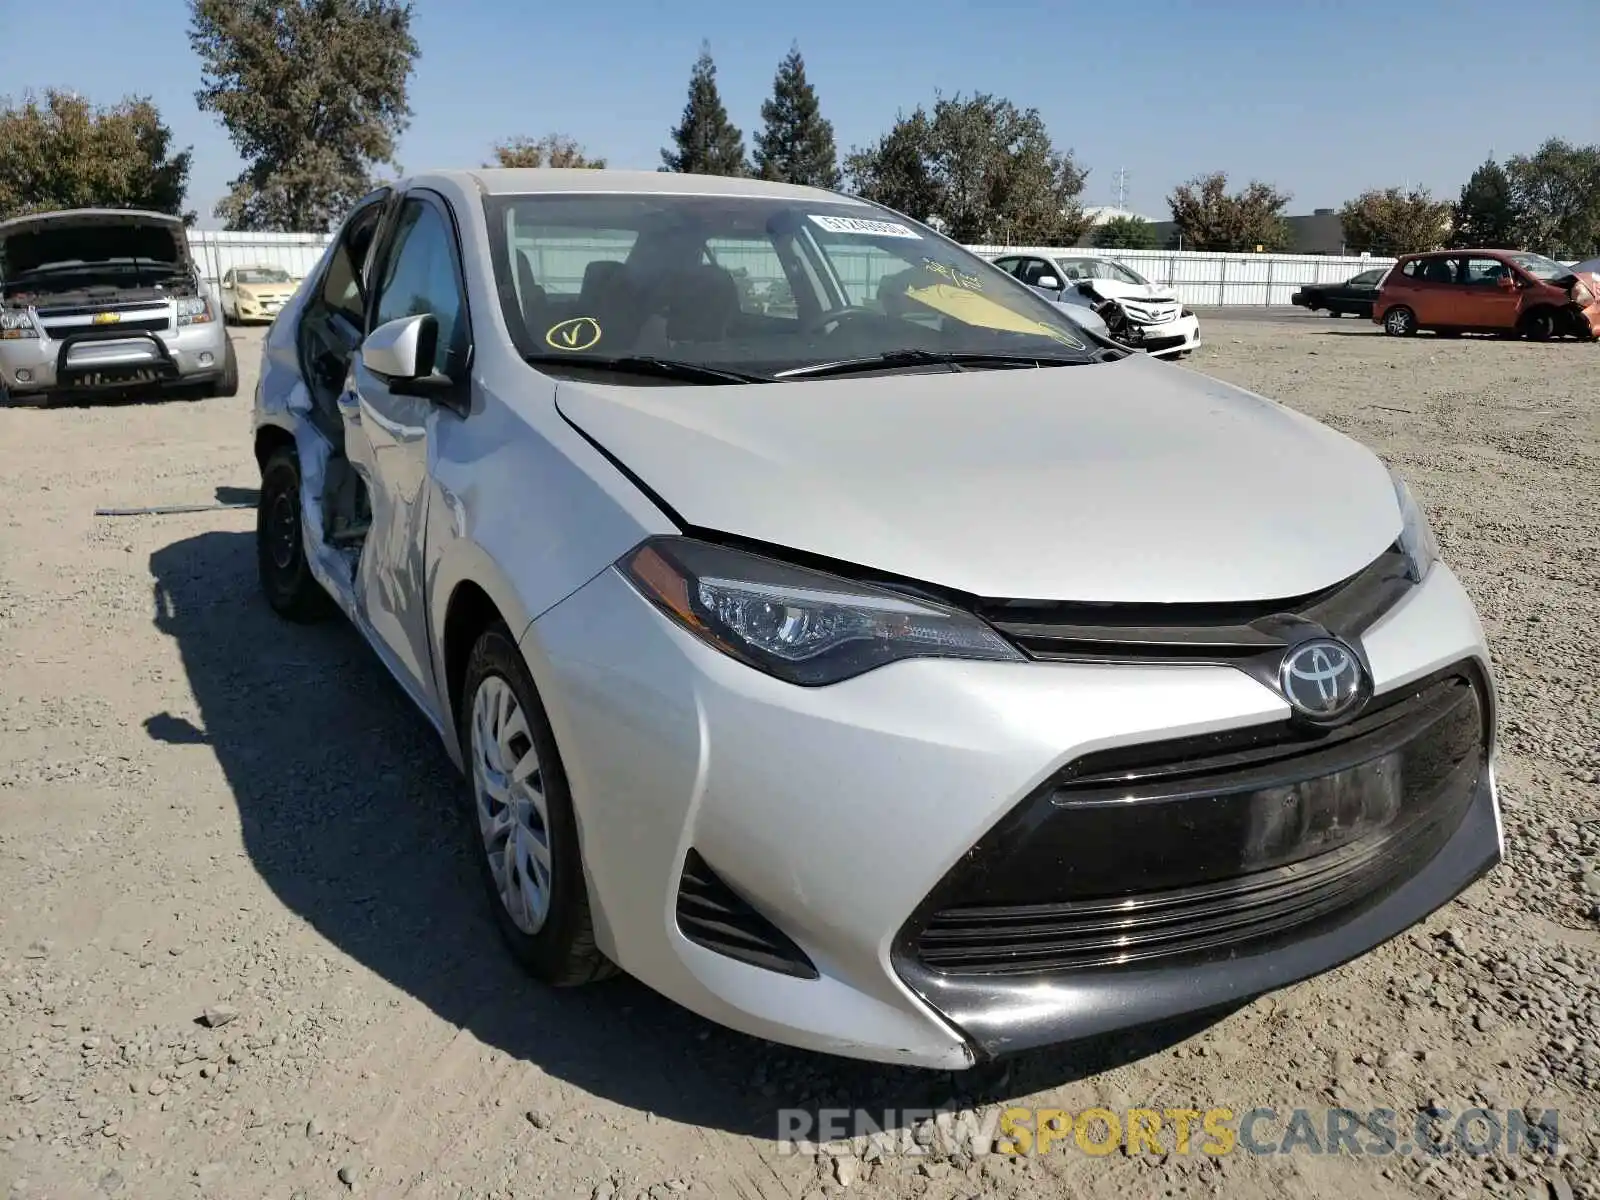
<point>701,304</point>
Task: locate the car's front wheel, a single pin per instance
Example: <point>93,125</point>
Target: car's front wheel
<point>1400,321</point>
<point>286,578</point>
<point>523,832</point>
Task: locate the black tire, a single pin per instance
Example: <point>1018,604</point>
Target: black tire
<point>1400,321</point>
<point>286,579</point>
<point>1539,324</point>
<point>228,384</point>
<point>562,953</point>
<point>1335,313</point>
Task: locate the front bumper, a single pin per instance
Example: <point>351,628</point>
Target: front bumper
<point>111,361</point>
<point>1172,337</point>
<point>835,813</point>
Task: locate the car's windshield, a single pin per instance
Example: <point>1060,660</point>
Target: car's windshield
<point>1541,267</point>
<point>758,284</point>
<point>1101,268</point>
<point>1366,278</point>
<point>262,275</point>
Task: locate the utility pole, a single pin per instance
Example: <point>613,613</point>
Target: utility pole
<point>1120,180</point>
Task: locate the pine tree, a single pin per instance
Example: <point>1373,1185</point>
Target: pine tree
<point>1485,214</point>
<point>796,144</point>
<point>707,142</point>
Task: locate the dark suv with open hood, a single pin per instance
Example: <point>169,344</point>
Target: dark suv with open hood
<point>106,300</point>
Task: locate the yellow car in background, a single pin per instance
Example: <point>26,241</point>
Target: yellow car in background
<point>255,293</point>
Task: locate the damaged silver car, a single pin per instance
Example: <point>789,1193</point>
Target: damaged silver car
<point>103,301</point>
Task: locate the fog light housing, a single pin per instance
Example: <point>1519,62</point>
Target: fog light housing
<point>206,358</point>
<point>24,376</point>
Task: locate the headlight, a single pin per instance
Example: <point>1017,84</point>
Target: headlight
<point>1416,537</point>
<point>1188,312</point>
<point>15,323</point>
<point>802,626</point>
<point>1581,295</point>
<point>194,310</point>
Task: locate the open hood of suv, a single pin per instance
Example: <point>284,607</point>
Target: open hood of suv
<point>1129,481</point>
<point>91,235</point>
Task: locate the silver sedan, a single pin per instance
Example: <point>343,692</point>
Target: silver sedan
<point>845,642</point>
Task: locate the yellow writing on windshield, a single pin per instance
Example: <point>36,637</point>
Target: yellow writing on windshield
<point>970,308</point>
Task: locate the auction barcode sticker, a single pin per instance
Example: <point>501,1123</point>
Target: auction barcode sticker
<point>864,226</point>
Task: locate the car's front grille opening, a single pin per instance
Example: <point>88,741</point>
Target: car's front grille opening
<point>1066,631</point>
<point>61,329</point>
<point>712,915</point>
<point>1201,849</point>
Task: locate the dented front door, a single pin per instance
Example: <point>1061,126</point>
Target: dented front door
<point>389,439</point>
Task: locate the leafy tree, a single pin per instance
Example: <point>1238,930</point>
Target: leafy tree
<point>552,150</point>
<point>65,153</point>
<point>1208,218</point>
<point>313,94</point>
<point>983,168</point>
<point>707,143</point>
<point>1125,233</point>
<point>795,144</point>
<point>1556,193</point>
<point>1394,221</point>
<point>1485,215</point>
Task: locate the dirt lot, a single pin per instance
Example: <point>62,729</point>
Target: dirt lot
<point>201,806</point>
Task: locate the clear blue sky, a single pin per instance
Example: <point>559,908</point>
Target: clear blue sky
<point>1321,97</point>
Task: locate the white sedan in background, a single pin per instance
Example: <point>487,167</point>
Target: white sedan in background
<point>1144,315</point>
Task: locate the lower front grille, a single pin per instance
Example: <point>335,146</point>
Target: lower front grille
<point>713,915</point>
<point>1209,848</point>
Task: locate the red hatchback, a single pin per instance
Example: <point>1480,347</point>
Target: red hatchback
<point>1487,291</point>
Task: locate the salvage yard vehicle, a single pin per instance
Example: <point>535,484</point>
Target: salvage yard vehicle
<point>912,676</point>
<point>1140,314</point>
<point>255,293</point>
<point>1509,292</point>
<point>96,301</point>
<point>1354,295</point>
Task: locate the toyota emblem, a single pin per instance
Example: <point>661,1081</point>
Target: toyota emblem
<point>1322,680</point>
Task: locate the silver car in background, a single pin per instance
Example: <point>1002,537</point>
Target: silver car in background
<point>897,671</point>
<point>94,301</point>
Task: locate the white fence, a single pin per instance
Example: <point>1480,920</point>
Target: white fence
<point>1199,277</point>
<point>1206,277</point>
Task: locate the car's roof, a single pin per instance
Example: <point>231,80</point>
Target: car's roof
<point>1458,251</point>
<point>503,181</point>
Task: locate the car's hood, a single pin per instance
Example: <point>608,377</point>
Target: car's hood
<point>91,235</point>
<point>266,291</point>
<point>1127,481</point>
<point>1115,289</point>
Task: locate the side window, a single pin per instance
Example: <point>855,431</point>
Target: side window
<point>420,276</point>
<point>764,288</point>
<point>1485,272</point>
<point>1011,266</point>
<point>1439,270</point>
<point>342,290</point>
<point>1411,269</point>
<point>1035,269</point>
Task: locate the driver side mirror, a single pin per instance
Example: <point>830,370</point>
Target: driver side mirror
<point>1048,282</point>
<point>401,353</point>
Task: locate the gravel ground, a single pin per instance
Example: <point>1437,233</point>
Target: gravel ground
<point>241,954</point>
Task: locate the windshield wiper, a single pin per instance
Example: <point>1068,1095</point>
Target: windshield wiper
<point>648,364</point>
<point>916,358</point>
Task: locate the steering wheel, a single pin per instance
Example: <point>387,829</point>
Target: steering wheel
<point>838,316</point>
